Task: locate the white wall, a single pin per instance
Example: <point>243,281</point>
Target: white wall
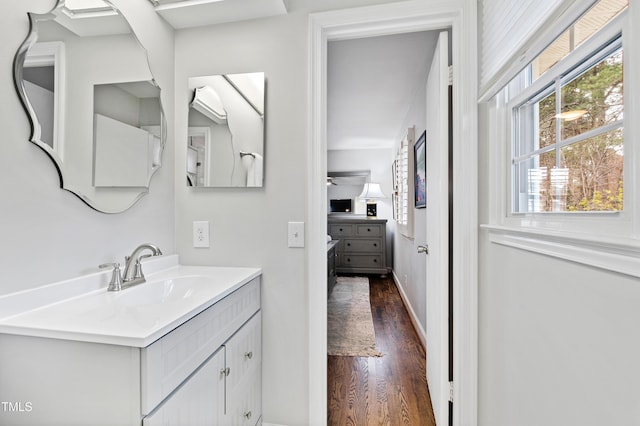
<point>558,342</point>
<point>409,266</point>
<point>249,225</point>
<point>46,233</point>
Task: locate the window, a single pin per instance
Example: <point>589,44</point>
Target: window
<point>561,155</point>
<point>402,201</point>
<point>568,153</point>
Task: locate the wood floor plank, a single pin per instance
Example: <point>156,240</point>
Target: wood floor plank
<point>391,390</point>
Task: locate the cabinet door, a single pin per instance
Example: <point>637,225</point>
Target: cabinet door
<point>199,401</point>
<point>244,382</point>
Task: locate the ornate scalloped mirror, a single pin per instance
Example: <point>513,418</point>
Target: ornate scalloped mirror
<point>85,81</point>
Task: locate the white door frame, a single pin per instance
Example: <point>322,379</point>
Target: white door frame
<point>386,19</point>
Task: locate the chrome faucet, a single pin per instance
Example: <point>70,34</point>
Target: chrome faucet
<point>133,274</point>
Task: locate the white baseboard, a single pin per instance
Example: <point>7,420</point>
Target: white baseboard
<point>422,335</point>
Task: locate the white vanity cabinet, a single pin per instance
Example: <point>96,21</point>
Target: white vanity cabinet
<point>225,390</point>
<point>205,370</point>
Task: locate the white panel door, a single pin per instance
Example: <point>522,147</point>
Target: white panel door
<point>198,402</point>
<point>437,196</point>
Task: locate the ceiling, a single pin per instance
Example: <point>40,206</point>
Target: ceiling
<point>371,85</point>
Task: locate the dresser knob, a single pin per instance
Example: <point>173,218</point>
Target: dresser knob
<point>247,415</point>
<point>248,355</point>
<point>375,260</point>
<point>375,244</point>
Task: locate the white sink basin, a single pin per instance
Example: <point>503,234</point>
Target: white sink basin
<point>169,290</point>
<point>135,316</point>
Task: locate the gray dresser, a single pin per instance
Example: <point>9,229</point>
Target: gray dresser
<point>363,244</point>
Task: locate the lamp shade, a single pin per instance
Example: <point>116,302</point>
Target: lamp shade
<point>371,191</point>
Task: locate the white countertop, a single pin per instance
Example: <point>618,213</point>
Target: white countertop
<point>136,316</point>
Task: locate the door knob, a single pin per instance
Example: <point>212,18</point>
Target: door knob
<point>423,249</point>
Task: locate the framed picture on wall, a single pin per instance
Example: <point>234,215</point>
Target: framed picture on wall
<point>420,171</point>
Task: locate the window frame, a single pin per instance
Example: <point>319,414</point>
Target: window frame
<point>552,85</point>
<point>607,240</point>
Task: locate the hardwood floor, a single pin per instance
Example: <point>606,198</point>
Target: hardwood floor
<point>392,389</point>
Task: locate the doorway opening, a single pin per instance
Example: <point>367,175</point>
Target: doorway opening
<point>380,20</point>
<point>376,112</point>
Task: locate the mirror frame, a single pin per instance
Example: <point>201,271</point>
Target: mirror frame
<point>35,137</point>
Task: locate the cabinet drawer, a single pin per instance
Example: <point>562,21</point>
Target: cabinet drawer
<point>341,230</point>
<point>368,230</point>
<point>363,245</point>
<point>170,360</point>
<point>361,261</point>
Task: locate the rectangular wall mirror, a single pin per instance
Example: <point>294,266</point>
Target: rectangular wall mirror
<point>225,140</point>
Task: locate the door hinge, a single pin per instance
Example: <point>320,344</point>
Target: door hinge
<point>450,391</point>
<point>450,75</point>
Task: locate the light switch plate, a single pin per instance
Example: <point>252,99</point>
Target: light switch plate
<point>201,233</point>
<point>296,234</point>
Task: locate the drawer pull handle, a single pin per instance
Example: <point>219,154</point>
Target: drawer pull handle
<point>340,229</point>
<point>368,229</point>
<point>348,260</point>
<point>375,244</point>
<point>348,244</point>
<point>375,260</point>
<point>225,371</point>
<point>248,355</point>
<point>247,415</point>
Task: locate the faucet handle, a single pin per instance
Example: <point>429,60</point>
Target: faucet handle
<point>116,279</point>
<point>137,272</point>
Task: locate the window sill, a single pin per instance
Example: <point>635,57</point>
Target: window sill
<point>620,255</point>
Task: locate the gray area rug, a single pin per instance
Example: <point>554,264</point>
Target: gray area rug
<point>350,329</point>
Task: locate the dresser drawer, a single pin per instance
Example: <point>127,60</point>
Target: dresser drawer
<point>361,261</point>
<point>363,245</point>
<point>341,230</point>
<point>170,360</point>
<point>368,230</point>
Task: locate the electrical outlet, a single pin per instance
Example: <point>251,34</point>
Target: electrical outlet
<point>201,233</point>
